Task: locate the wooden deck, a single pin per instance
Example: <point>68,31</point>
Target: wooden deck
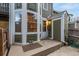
<point>48,46</point>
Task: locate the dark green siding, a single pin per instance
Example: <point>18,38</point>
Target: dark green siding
<point>57,29</point>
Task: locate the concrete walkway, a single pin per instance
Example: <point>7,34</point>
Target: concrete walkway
<point>65,51</point>
<point>18,51</point>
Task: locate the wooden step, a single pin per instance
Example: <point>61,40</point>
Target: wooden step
<point>48,51</point>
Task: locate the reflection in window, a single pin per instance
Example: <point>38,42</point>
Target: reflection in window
<point>18,18</point>
<point>32,37</point>
<point>18,38</point>
<point>32,23</point>
<point>18,5</point>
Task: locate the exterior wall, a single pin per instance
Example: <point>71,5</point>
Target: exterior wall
<point>64,17</point>
<point>44,35</point>
<point>56,15</point>
<point>46,13</point>
<point>57,29</point>
<point>61,32</point>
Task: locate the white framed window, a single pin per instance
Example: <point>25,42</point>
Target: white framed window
<point>45,6</point>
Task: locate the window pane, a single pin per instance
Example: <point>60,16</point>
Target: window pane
<point>32,23</point>
<point>18,5</point>
<point>18,18</point>
<point>32,6</point>
<point>31,37</point>
<point>18,38</point>
<point>44,25</point>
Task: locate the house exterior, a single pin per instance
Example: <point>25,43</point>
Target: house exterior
<point>28,22</point>
<point>35,22</point>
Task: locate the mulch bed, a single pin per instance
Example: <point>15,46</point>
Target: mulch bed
<point>31,46</point>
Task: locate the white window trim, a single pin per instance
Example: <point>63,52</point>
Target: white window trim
<point>44,7</point>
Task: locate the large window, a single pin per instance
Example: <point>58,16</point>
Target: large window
<point>18,19</point>
<point>45,6</point>
<point>32,23</point>
<point>18,5</point>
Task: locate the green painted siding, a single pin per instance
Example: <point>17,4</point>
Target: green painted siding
<point>57,30</point>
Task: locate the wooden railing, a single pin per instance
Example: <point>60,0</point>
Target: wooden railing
<point>3,42</point>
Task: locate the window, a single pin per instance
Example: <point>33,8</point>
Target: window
<point>44,25</point>
<point>18,38</point>
<point>32,23</point>
<point>32,6</point>
<point>18,19</point>
<point>18,5</point>
<point>32,37</point>
<point>45,6</point>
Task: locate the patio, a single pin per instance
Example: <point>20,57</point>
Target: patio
<point>17,50</point>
